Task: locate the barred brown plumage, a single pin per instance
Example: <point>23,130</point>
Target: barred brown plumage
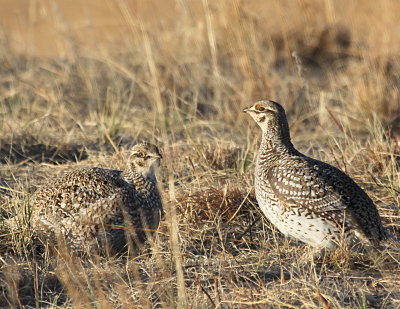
<point>88,206</point>
<point>305,198</point>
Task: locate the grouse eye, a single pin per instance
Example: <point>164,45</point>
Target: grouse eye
<point>260,108</point>
<point>139,154</point>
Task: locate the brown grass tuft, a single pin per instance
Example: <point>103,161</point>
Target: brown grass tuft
<point>213,202</point>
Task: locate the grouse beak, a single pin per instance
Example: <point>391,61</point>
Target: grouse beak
<point>154,156</point>
<point>157,156</point>
<point>248,109</point>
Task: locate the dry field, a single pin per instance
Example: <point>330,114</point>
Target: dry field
<point>82,81</point>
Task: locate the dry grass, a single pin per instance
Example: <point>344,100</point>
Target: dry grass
<point>181,79</point>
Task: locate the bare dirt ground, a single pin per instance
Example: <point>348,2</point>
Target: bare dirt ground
<point>82,81</point>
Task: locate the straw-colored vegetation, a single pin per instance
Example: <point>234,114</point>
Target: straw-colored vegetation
<point>181,80</point>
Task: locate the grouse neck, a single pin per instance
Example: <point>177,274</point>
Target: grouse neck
<point>136,178</point>
<point>275,146</point>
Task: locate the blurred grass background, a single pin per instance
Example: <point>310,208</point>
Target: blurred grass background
<point>82,81</point>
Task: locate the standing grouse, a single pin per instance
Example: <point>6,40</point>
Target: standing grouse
<point>305,198</point>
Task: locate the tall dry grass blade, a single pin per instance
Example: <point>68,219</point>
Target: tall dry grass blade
<point>171,216</point>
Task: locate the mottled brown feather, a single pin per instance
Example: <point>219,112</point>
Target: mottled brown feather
<point>94,206</point>
<point>306,198</point>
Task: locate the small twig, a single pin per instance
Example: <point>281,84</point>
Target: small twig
<point>249,228</point>
<point>12,190</point>
<point>205,292</point>
<point>110,140</point>
<point>337,161</point>
<point>323,300</point>
<point>16,289</point>
<point>381,185</point>
<point>240,206</point>
<point>8,234</point>
<point>216,283</point>
<point>340,126</point>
